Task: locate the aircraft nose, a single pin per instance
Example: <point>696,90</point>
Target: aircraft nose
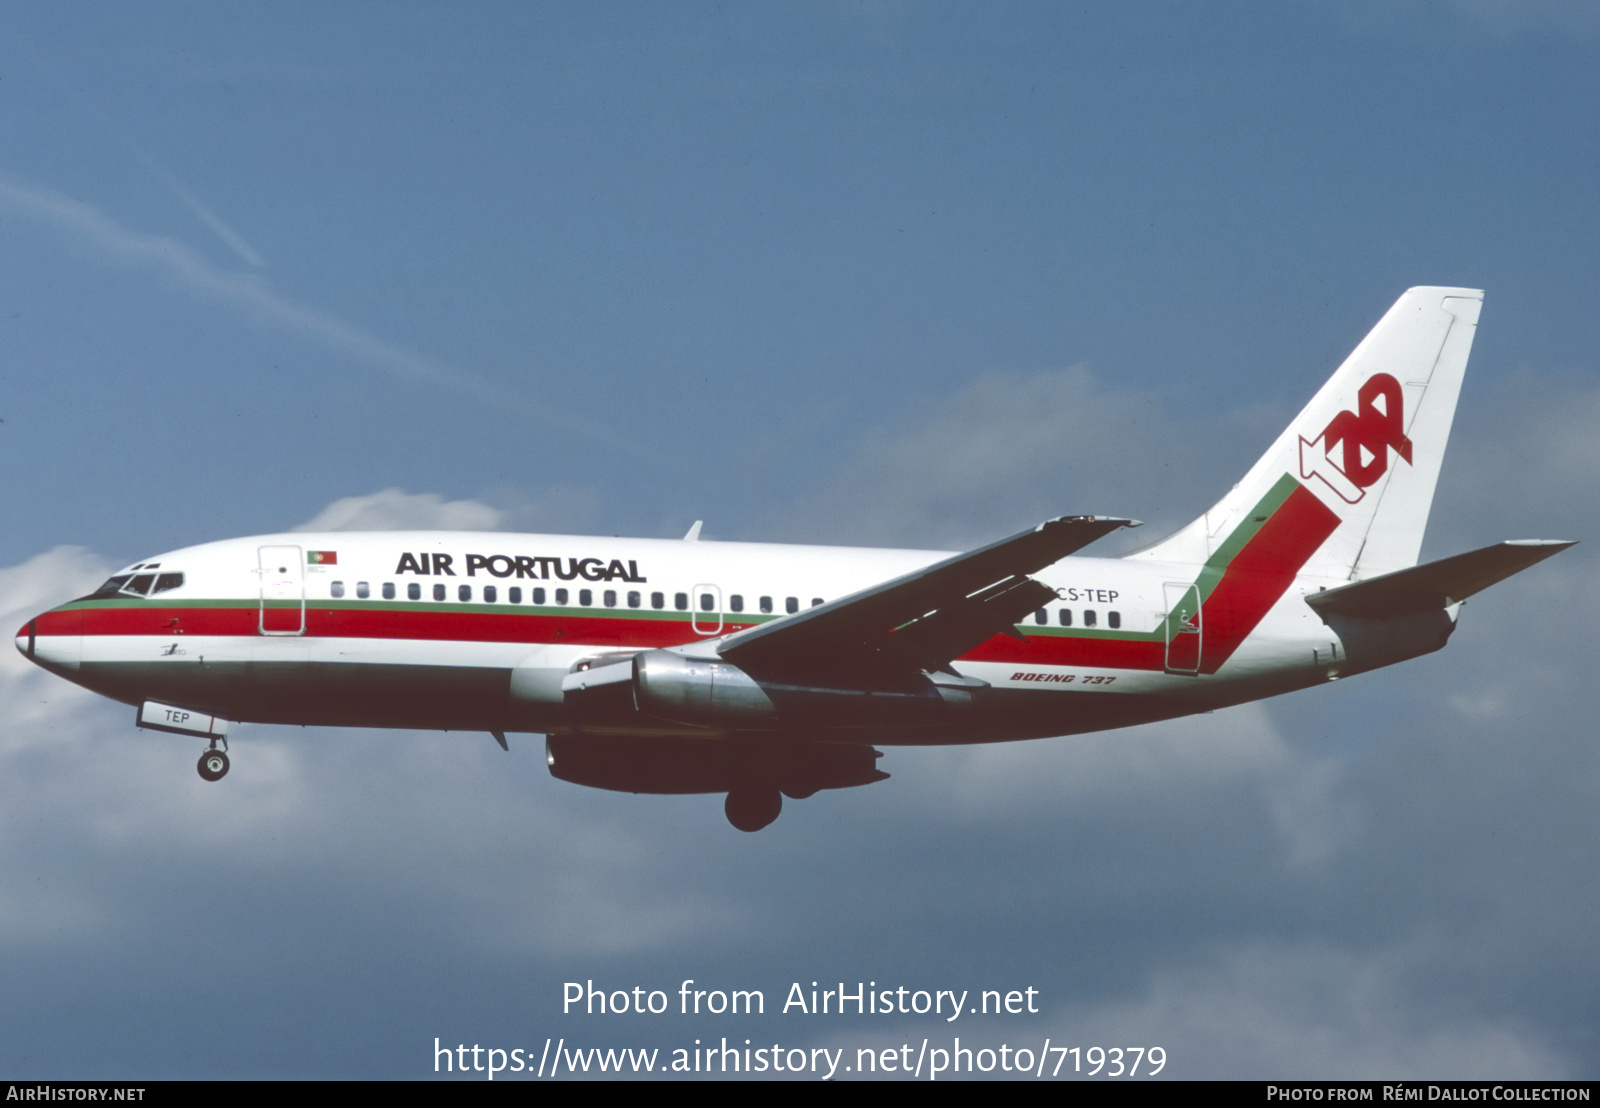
<point>52,640</point>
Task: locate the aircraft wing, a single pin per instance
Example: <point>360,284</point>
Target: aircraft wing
<point>1435,584</point>
<point>925,619</point>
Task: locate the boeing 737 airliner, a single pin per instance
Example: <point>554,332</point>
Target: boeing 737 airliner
<point>674,666</point>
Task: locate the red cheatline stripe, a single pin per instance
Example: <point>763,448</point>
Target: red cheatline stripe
<point>1252,583</point>
<point>1261,573</point>
<point>1054,650</point>
<point>378,623</point>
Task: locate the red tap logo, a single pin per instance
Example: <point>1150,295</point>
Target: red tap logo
<point>1366,435</point>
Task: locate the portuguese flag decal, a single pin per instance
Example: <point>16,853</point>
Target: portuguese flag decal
<point>322,557</point>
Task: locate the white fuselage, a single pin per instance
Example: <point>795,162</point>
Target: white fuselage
<point>478,630</point>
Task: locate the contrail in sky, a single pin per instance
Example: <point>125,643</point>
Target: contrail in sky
<point>73,93</point>
<point>231,238</point>
<point>251,296</point>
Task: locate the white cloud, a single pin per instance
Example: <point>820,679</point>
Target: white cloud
<point>1305,887</point>
<point>1181,769</point>
<point>1524,462</point>
<point>34,703</point>
<point>100,822</point>
<point>560,509</point>
<point>397,510</point>
<point>46,580</point>
<point>1107,767</point>
<point>1306,1010</point>
<point>1011,449</point>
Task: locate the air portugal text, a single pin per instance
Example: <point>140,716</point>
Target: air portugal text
<point>523,566</point>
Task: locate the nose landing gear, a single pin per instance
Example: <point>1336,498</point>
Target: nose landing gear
<point>213,764</point>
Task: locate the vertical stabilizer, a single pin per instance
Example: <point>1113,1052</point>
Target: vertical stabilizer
<point>1368,448</point>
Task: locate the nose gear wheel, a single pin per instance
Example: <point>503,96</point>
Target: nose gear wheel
<point>213,764</point>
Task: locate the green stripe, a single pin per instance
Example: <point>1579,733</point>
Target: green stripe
<point>469,608</point>
<point>1216,565</point>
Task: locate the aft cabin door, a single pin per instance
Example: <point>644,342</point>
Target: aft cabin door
<point>1184,630</point>
<point>283,590</point>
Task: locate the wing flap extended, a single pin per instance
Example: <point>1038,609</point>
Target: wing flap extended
<point>926,618</point>
<point>1434,584</point>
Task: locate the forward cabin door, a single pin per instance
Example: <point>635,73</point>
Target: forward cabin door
<point>1184,629</point>
<point>283,590</point>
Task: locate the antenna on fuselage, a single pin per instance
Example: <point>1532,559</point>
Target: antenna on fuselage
<point>694,532</point>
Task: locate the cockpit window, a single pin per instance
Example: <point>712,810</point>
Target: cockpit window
<point>143,584</point>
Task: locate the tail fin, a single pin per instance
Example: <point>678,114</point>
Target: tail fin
<point>1366,451</point>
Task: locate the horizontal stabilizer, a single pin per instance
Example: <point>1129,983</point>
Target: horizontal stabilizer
<point>1435,584</point>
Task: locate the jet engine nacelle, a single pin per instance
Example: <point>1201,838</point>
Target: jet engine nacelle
<point>701,692</point>
<point>711,693</point>
<point>662,690</point>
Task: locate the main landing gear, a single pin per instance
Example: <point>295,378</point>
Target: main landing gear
<point>213,764</point>
<point>752,807</point>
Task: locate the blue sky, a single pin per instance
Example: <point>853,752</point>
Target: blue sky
<point>882,273</point>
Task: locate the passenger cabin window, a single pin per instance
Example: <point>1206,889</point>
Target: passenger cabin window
<point>464,592</point>
<point>1041,617</point>
<point>388,590</point>
<point>658,600</point>
<point>736,602</point>
<point>609,597</point>
<point>792,605</point>
<point>633,599</point>
<point>816,601</point>
<point>438,592</point>
<point>707,602</point>
<point>514,594</point>
<point>336,589</point>
<point>1114,620</point>
<point>414,591</point>
<point>561,596</point>
<point>363,590</point>
<point>1088,617</point>
<point>585,597</point>
<point>766,605</point>
<point>538,596</point>
<point>680,601</point>
<point>1066,617</point>
<point>490,594</point>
